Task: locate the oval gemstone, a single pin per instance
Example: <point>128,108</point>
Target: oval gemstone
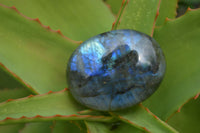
<point>115,70</point>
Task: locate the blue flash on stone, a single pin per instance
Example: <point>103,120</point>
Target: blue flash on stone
<point>115,70</point>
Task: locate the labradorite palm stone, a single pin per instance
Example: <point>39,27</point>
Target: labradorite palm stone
<point>115,70</point>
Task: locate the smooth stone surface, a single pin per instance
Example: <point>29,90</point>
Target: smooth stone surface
<point>115,70</point>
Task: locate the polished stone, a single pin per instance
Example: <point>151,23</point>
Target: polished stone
<point>115,70</point>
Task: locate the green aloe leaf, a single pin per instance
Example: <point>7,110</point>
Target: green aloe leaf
<point>46,107</point>
<point>118,127</point>
<point>187,120</point>
<point>77,19</point>
<point>51,65</point>
<point>114,5</point>
<point>39,50</point>
<point>39,56</point>
<point>167,10</point>
<point>179,40</point>
<point>139,15</point>
<point>8,80</point>
<point>71,127</point>
<point>13,94</point>
<point>38,127</point>
<point>11,87</point>
<point>143,119</point>
<point>15,128</point>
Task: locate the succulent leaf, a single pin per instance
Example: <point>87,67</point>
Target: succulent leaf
<point>143,119</point>
<point>11,87</point>
<point>71,126</point>
<point>167,10</point>
<point>179,40</point>
<point>46,107</point>
<point>77,19</point>
<point>114,5</point>
<point>140,18</point>
<point>187,120</point>
<point>36,41</point>
<point>117,127</point>
<point>14,128</point>
<point>39,55</point>
<point>37,127</point>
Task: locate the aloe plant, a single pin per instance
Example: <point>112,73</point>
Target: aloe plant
<point>38,36</point>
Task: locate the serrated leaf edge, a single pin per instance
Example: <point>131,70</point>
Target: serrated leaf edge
<point>134,124</point>
<point>39,118</point>
<point>40,23</point>
<point>57,116</point>
<point>144,128</point>
<point>179,109</point>
<point>168,20</point>
<point>156,117</point>
<point>156,17</point>
<point>30,96</point>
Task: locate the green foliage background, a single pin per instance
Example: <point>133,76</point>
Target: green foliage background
<point>38,36</point>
